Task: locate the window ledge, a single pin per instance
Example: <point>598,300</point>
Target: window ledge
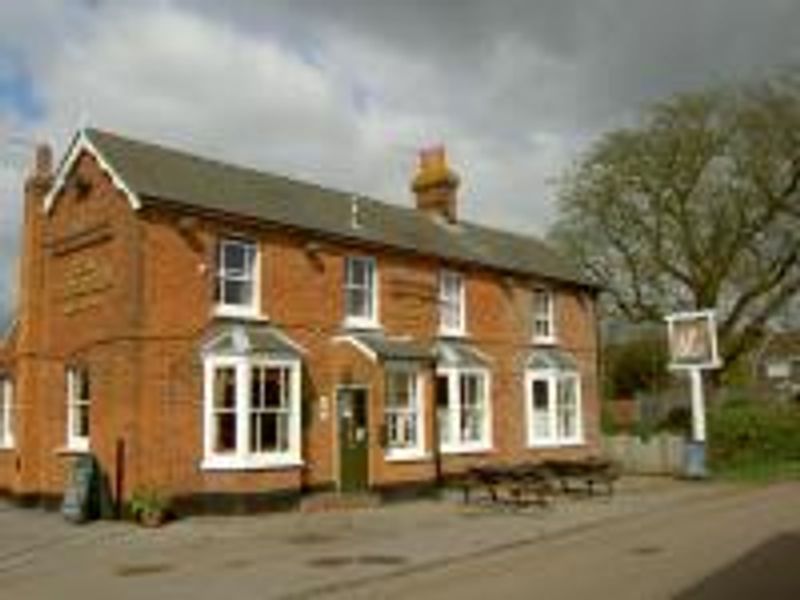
<point>467,449</point>
<point>453,333</point>
<point>400,456</point>
<point>356,324</point>
<point>545,341</point>
<point>557,444</point>
<point>250,464</point>
<point>7,447</point>
<point>238,312</point>
<point>72,450</point>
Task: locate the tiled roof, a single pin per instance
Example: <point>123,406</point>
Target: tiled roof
<point>388,348</point>
<point>155,173</point>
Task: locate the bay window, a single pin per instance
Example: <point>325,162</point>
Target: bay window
<point>252,415</point>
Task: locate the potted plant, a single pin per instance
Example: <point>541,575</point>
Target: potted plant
<point>149,507</point>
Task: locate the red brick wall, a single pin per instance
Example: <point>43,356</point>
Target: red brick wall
<point>140,332</point>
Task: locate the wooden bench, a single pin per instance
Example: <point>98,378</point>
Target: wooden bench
<point>519,483</point>
<point>589,472</point>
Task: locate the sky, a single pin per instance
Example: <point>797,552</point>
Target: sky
<point>345,92</point>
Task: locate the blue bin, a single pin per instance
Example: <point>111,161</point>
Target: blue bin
<point>694,460</point>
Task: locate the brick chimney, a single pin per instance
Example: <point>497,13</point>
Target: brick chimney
<point>29,295</point>
<point>435,184</point>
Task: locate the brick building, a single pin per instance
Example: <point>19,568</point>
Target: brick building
<point>234,338</point>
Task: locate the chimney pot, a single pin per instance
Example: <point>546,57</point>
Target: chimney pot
<point>435,184</point>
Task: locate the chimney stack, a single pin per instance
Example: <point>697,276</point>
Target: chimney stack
<point>435,184</point>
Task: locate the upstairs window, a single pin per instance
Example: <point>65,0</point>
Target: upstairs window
<point>543,316</point>
<point>451,303</point>
<point>6,413</point>
<point>360,292</point>
<point>79,394</point>
<point>236,282</point>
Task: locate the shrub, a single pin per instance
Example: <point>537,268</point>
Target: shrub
<point>748,432</point>
<point>149,506</point>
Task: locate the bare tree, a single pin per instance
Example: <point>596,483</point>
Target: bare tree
<point>698,206</point>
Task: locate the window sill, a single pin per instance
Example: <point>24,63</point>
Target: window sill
<point>453,333</point>
<point>250,464</point>
<point>356,324</point>
<point>402,456</point>
<point>7,447</point>
<point>573,443</point>
<point>467,449</point>
<point>238,312</point>
<point>72,450</point>
<point>544,341</point>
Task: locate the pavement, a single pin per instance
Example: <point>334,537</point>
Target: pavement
<point>686,533</point>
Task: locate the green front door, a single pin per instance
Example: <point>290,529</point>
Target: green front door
<point>353,439</point>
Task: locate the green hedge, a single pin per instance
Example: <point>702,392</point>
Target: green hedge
<point>747,432</point>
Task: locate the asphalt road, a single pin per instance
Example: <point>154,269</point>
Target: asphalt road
<point>653,539</point>
<point>740,547</point>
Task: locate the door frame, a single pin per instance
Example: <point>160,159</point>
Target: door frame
<point>337,451</point>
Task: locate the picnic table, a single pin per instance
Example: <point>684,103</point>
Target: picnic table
<point>588,472</point>
<point>539,482</point>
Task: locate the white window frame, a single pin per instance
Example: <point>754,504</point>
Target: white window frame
<point>253,308</point>
<point>455,444</point>
<point>457,303</point>
<point>539,317</point>
<point>370,321</point>
<point>6,412</point>
<point>242,458</point>
<point>417,451</point>
<point>552,378</point>
<point>78,443</point>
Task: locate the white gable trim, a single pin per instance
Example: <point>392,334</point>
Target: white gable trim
<point>358,344</point>
<point>80,143</point>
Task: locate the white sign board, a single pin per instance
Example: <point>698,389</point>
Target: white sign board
<point>693,340</point>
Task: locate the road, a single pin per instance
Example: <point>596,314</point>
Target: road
<point>654,539</point>
<point>743,546</point>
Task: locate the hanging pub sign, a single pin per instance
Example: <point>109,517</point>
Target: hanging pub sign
<point>692,340</point>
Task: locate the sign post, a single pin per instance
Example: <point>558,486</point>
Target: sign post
<point>693,348</point>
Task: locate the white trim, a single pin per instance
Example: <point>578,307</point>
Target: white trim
<point>456,445</point>
<point>552,377</point>
<point>242,458</point>
<point>80,143</point>
<point>359,345</point>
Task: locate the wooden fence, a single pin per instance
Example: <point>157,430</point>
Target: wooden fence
<point>660,454</point>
